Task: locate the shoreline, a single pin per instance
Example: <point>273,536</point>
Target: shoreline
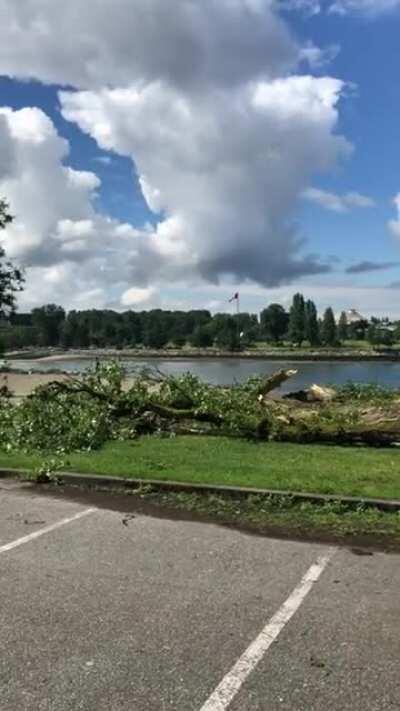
<point>344,355</point>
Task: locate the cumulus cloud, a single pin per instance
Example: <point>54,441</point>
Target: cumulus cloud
<point>367,266</point>
<point>224,135</point>
<point>337,203</point>
<point>73,254</point>
<point>224,42</point>
<point>40,189</point>
<point>226,168</point>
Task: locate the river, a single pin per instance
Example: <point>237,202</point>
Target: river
<point>224,371</point>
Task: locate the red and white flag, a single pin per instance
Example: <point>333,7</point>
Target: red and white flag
<point>235,297</point>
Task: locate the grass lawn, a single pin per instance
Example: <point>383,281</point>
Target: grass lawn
<point>211,460</point>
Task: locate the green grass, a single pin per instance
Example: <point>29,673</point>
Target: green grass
<point>324,469</point>
<point>210,460</point>
<point>356,345</point>
<point>280,516</point>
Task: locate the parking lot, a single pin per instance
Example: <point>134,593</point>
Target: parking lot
<point>105,610</point>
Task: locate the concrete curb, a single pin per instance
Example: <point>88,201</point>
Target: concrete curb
<point>113,482</point>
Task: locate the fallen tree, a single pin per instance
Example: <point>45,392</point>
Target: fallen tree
<point>82,412</point>
<point>274,381</point>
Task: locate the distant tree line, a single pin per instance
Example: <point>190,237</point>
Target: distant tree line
<point>303,325</point>
<point>51,326</point>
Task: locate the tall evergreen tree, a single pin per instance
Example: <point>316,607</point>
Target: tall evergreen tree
<point>297,320</point>
<point>311,330</point>
<point>328,330</point>
<point>342,331</point>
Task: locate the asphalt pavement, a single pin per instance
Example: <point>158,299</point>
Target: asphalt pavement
<point>105,610</point>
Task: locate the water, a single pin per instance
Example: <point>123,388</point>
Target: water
<point>224,371</point>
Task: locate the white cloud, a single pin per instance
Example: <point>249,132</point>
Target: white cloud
<point>368,8</point>
<point>354,199</point>
<point>315,57</point>
<point>40,189</point>
<point>108,42</point>
<point>394,225</point>
<point>307,7</point>
<point>337,203</point>
<point>224,135</point>
<point>341,293</point>
<point>365,8</point>
<point>225,167</point>
<point>137,297</point>
<point>73,254</point>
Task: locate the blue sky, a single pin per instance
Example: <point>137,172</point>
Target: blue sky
<point>120,194</point>
<point>368,58</point>
<point>170,250</point>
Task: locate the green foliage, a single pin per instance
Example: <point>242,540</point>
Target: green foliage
<point>297,320</point>
<point>47,470</point>
<point>311,326</point>
<point>49,326</point>
<point>248,328</point>
<point>367,392</point>
<point>11,278</point>
<point>274,322</point>
<point>155,336</point>
<point>228,335</point>
<point>235,410</point>
<point>83,413</point>
<point>271,513</point>
<point>328,328</point>
<point>342,331</point>
<point>18,337</point>
<point>356,330</point>
<point>202,337</point>
<point>158,329</point>
<point>62,421</point>
<point>47,320</point>
<point>5,217</point>
<point>59,424</point>
<point>378,335</point>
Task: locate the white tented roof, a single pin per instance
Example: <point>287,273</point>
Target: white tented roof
<point>353,316</point>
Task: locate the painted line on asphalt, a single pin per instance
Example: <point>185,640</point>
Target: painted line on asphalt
<point>225,692</point>
<point>41,532</point>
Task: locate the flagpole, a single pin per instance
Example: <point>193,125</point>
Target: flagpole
<point>238,324</point>
<point>236,297</point>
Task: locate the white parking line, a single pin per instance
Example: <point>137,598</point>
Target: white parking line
<point>47,529</point>
<point>225,692</point>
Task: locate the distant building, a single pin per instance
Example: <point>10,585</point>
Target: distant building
<point>354,316</point>
<point>387,326</point>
